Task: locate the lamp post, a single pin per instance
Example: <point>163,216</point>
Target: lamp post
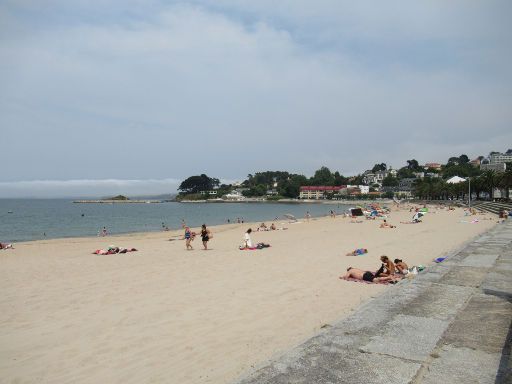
<point>469,190</point>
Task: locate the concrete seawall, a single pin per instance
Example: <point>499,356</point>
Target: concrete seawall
<point>451,324</point>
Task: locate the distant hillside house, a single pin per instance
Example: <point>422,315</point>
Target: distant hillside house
<point>234,195</point>
<point>496,158</point>
<point>370,178</point>
<point>497,167</point>
<point>432,166</point>
<point>318,192</point>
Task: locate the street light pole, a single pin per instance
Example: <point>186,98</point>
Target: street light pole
<point>469,187</point>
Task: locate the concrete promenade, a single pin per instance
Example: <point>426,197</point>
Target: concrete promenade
<point>451,324</point>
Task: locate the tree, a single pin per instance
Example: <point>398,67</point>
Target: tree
<point>390,181</point>
<point>356,180</point>
<point>405,173</point>
<point>339,179</point>
<point>452,161</point>
<point>506,181</point>
<point>488,179</point>
<point>119,197</point>
<point>196,184</point>
<point>413,165</point>
<point>463,159</point>
<point>323,176</point>
<point>379,167</point>
<point>291,186</point>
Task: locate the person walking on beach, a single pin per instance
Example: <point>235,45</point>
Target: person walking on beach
<point>188,238</point>
<point>206,235</point>
<point>308,216</point>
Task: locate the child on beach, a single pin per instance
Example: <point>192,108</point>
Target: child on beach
<point>189,236</point>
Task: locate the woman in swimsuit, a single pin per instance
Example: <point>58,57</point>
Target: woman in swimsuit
<point>205,236</point>
<point>188,238</point>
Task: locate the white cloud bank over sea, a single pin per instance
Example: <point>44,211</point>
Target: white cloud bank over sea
<point>86,188</point>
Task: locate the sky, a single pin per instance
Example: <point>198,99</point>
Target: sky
<point>133,96</point>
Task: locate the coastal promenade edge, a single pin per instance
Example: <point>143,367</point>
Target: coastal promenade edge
<point>452,323</point>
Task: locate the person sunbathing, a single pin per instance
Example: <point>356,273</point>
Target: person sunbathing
<point>359,274</point>
<point>6,246</point>
<point>262,227</point>
<point>358,252</point>
<point>385,224</point>
<point>401,267</point>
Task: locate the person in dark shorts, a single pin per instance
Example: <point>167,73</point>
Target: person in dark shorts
<point>359,274</point>
<point>206,235</point>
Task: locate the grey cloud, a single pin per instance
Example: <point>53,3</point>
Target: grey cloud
<point>230,88</point>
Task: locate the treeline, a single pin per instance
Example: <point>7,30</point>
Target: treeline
<point>432,185</point>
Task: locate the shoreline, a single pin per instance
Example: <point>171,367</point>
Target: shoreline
<point>167,314</point>
<point>118,201</point>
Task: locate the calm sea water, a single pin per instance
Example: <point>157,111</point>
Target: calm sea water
<point>35,219</point>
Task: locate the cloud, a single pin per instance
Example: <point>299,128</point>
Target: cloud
<point>159,90</point>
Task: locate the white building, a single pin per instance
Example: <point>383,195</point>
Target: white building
<point>234,195</point>
<point>498,167</point>
<point>496,158</point>
<point>318,192</point>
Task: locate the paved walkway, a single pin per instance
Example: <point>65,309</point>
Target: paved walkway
<point>451,324</point>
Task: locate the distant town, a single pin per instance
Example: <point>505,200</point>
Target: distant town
<point>486,177</point>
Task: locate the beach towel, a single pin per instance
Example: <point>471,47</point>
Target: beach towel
<point>113,251</point>
<point>258,246</point>
<point>368,282</point>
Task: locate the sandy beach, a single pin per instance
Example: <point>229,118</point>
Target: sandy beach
<point>167,315</point>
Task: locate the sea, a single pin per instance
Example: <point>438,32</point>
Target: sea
<point>37,219</point>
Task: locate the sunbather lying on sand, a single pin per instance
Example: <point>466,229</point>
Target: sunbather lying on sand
<point>6,246</point>
<point>359,274</point>
<point>357,252</point>
<point>113,250</point>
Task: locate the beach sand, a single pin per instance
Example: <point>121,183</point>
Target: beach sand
<point>167,315</point>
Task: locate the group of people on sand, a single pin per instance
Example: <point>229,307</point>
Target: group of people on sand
<point>390,272</point>
<point>189,236</point>
<point>264,227</point>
